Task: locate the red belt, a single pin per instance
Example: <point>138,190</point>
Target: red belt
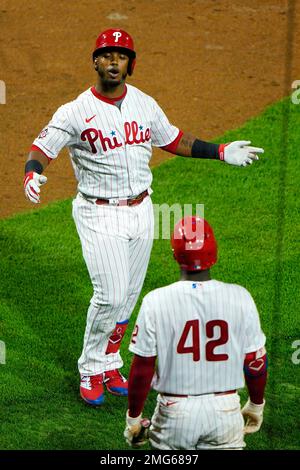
<point>185,396</point>
<point>123,202</point>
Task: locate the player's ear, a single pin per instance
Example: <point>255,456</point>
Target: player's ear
<point>95,64</point>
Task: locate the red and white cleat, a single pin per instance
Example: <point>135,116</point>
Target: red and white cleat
<point>91,389</point>
<point>116,383</point>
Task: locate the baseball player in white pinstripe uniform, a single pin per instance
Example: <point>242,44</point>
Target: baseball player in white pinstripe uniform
<point>110,130</point>
<point>206,337</point>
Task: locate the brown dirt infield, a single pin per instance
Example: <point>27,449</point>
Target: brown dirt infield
<point>210,64</point>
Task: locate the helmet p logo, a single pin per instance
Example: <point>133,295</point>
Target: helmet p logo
<point>117,35</point>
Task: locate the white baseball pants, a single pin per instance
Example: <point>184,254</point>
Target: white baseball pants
<point>116,245</point>
<point>197,423</point>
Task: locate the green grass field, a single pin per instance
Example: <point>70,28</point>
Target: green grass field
<point>45,291</point>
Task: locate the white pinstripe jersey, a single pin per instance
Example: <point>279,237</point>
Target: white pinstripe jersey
<point>200,333</point>
<point>110,148</point>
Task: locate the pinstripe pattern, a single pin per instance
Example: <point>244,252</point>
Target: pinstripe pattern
<point>116,245</point>
<point>110,148</point>
<point>207,420</point>
<point>101,171</point>
<point>197,423</point>
<point>161,323</point>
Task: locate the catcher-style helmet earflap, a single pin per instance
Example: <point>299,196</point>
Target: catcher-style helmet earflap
<point>194,245</point>
<point>119,39</point>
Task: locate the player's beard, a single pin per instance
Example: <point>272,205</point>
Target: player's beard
<point>109,83</point>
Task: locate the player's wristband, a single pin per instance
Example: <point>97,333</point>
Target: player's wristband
<point>221,151</point>
<point>33,166</point>
<point>133,421</point>
<point>201,149</point>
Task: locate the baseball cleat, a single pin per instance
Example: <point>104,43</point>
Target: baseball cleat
<point>91,389</point>
<point>116,383</point>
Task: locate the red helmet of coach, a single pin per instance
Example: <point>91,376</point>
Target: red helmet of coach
<point>117,38</point>
<point>193,243</point>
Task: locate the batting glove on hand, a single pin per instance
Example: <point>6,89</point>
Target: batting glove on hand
<point>32,183</point>
<point>239,153</point>
<point>137,430</point>
<point>254,416</point>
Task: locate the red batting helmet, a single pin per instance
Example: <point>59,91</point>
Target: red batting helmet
<point>119,39</point>
<point>193,244</point>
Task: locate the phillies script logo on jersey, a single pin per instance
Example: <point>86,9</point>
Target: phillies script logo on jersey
<point>134,134</point>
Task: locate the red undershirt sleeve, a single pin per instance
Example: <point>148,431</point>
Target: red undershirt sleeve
<point>172,147</point>
<point>139,383</point>
<point>255,371</point>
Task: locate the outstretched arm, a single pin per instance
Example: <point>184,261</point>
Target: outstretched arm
<point>237,153</point>
<point>190,146</point>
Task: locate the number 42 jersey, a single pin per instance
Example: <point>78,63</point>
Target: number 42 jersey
<point>200,333</point>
